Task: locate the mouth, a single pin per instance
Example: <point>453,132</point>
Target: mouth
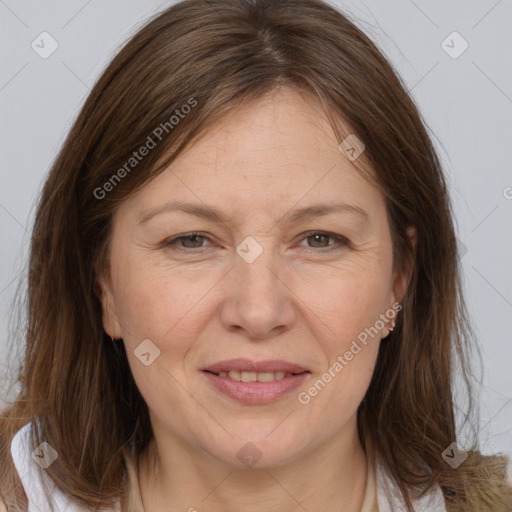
<point>249,366</point>
<point>253,383</point>
<point>245,376</point>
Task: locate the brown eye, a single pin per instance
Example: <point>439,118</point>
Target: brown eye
<point>196,239</point>
<point>320,240</point>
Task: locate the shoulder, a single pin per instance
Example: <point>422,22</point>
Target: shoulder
<point>494,485</point>
<point>389,497</point>
<point>30,463</point>
<point>28,466</point>
<point>508,472</point>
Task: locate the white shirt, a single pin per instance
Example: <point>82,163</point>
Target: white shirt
<point>388,496</point>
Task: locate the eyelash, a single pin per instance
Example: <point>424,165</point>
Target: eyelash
<point>341,242</point>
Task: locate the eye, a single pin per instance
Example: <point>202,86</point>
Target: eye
<point>319,237</point>
<point>177,243</point>
<point>194,240</point>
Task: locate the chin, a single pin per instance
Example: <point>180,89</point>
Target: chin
<point>259,451</point>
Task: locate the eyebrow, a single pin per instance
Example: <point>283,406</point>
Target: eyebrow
<point>292,217</point>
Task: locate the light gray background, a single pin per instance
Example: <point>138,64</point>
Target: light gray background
<point>466,102</point>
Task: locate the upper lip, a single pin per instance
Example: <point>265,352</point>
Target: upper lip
<point>246,365</point>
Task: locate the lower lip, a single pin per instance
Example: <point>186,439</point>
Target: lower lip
<point>256,392</point>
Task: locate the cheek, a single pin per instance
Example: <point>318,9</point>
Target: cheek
<point>352,305</point>
<point>351,309</point>
<point>155,300</point>
<point>167,307</point>
<point>346,301</point>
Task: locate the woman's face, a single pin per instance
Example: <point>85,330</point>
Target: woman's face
<point>265,286</point>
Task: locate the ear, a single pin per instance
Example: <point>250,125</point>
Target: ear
<point>402,278</point>
<point>104,291</point>
<point>401,281</point>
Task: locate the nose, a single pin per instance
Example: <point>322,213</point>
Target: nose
<point>259,301</point>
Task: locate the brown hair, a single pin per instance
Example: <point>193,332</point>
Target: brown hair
<point>221,54</point>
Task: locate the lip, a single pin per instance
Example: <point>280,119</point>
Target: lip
<point>255,393</point>
<point>246,365</point>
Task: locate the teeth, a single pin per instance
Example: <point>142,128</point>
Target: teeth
<point>265,377</point>
<point>248,376</point>
<point>235,375</point>
<point>254,376</point>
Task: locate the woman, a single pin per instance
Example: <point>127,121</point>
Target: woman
<point>244,289</point>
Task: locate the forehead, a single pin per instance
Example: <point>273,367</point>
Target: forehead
<point>270,154</point>
<point>282,128</point>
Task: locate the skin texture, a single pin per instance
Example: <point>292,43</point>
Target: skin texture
<point>296,302</point>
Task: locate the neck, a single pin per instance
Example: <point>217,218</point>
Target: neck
<point>174,476</point>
